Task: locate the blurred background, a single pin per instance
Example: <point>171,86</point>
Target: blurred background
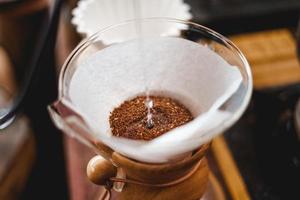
<point>37,161</point>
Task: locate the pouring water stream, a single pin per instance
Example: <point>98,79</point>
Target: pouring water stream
<point>148,103</point>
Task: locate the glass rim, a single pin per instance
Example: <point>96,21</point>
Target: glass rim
<point>225,41</point>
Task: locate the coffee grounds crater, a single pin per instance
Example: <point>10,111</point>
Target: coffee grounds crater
<point>129,120</point>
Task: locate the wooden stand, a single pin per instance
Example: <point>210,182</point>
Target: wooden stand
<point>185,179</point>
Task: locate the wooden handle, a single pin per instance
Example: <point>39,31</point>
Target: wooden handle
<point>99,170</point>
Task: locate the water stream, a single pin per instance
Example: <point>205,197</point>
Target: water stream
<point>148,102</point>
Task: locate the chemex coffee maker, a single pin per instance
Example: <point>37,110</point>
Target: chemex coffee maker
<point>124,175</point>
<point>91,84</point>
<point>127,173</point>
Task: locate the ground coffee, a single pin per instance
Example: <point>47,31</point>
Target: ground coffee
<point>129,120</point>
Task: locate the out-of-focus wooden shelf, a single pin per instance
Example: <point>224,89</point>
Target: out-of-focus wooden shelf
<point>272,57</point>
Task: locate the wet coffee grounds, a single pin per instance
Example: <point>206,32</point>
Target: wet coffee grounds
<point>129,120</point>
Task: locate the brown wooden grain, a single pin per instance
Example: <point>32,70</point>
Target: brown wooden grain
<point>272,57</point>
<point>190,189</point>
<point>229,170</point>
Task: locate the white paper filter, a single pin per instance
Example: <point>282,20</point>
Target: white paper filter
<point>91,16</point>
<point>184,70</point>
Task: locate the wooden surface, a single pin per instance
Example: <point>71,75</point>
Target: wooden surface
<point>230,172</point>
<point>272,57</point>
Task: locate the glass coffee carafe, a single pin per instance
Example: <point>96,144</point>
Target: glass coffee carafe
<point>66,113</point>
